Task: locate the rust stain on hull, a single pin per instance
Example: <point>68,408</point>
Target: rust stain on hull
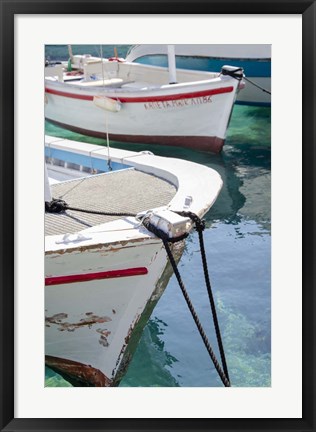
<point>91,320</point>
<point>78,374</point>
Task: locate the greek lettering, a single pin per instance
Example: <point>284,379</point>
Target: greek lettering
<point>177,103</point>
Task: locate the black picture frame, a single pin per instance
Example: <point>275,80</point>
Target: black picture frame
<point>7,12</point>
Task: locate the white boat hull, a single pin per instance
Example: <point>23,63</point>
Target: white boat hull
<point>90,323</point>
<point>192,115</point>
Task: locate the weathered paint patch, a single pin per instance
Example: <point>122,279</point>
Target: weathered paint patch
<point>104,332</point>
<point>64,325</point>
<point>104,337</point>
<point>103,341</point>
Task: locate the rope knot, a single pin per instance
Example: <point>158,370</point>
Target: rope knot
<point>200,225</point>
<point>55,206</point>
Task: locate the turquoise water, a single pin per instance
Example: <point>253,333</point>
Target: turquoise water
<point>238,246</point>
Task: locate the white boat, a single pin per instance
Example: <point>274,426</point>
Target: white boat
<point>104,274</point>
<point>143,104</point>
<point>255,59</point>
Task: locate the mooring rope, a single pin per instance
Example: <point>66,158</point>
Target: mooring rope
<point>106,118</point>
<point>59,206</point>
<point>257,85</point>
<point>217,366</point>
<point>200,225</point>
<point>236,73</point>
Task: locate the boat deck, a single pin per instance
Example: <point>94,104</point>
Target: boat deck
<point>127,191</point>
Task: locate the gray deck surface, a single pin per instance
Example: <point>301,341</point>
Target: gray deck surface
<point>123,191</point>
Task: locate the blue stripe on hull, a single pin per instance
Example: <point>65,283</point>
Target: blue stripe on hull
<point>252,68</point>
<point>79,159</point>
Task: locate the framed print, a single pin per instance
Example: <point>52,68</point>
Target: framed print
<point>161,372</point>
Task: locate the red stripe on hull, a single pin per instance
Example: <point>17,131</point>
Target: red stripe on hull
<point>69,95</point>
<point>58,280</point>
<point>204,143</point>
<point>163,98</point>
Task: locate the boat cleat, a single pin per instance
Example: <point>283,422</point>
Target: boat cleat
<point>169,222</point>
